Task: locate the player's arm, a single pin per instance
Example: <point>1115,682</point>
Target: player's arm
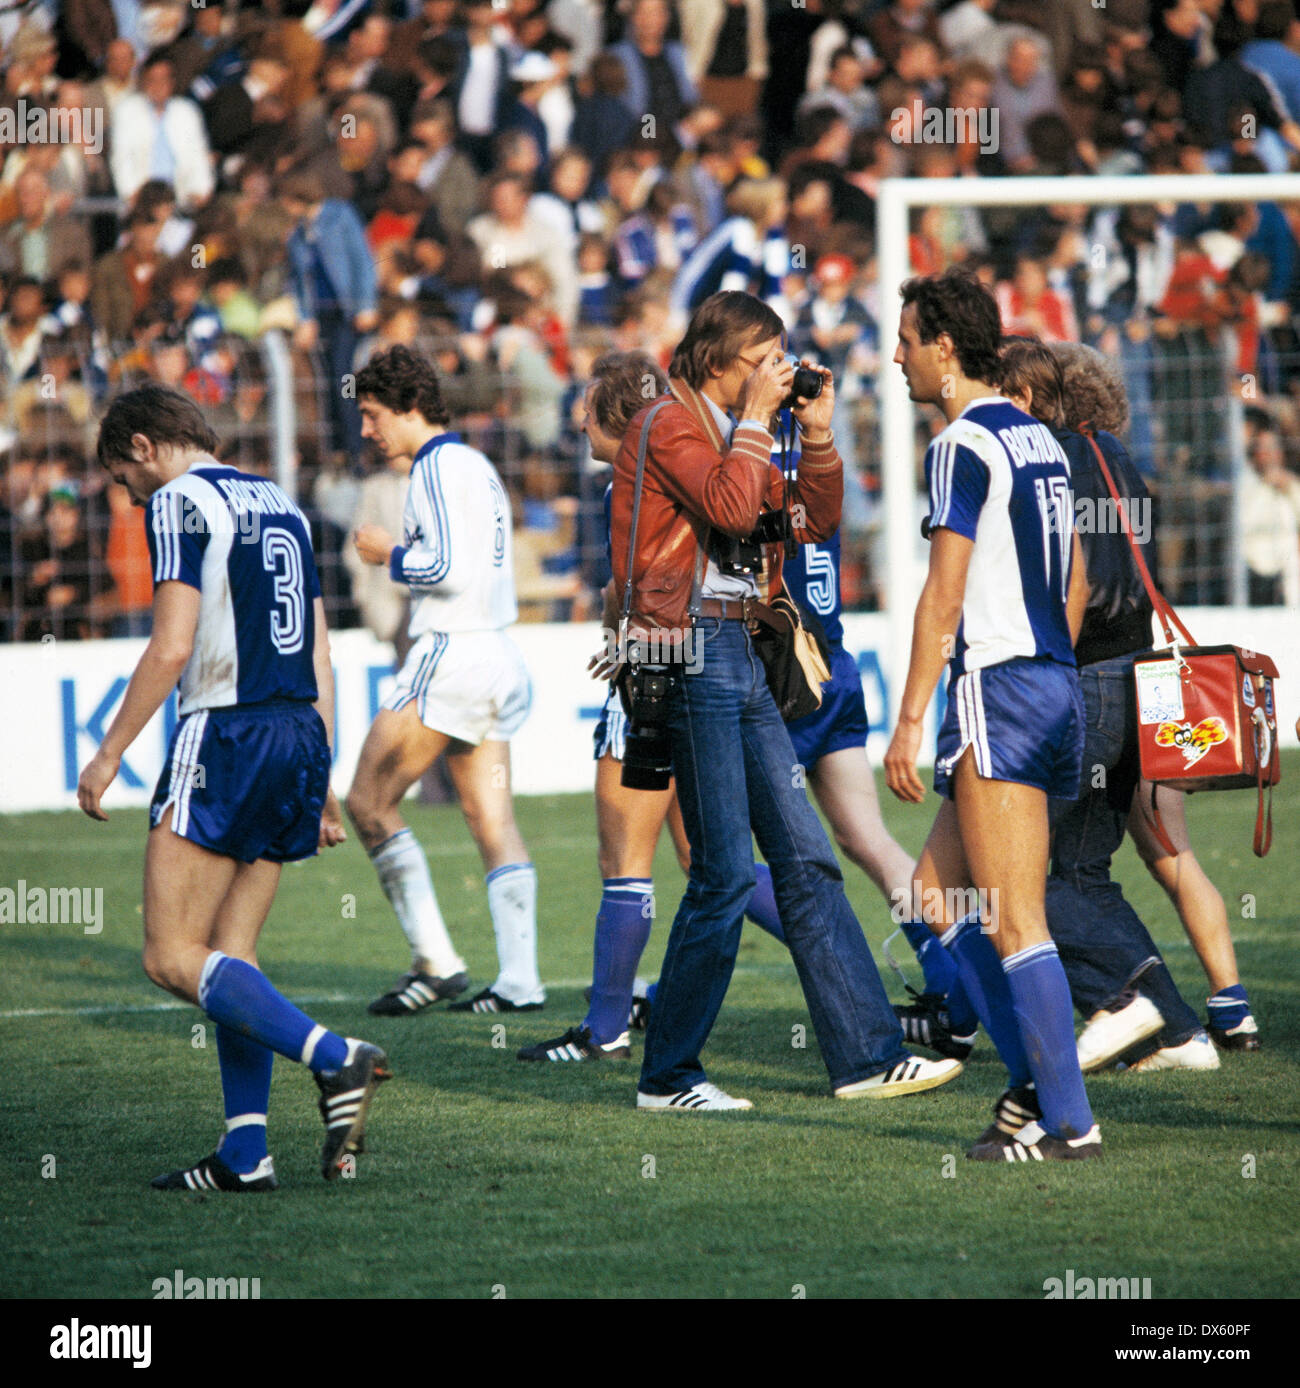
<point>938,615</point>
<point>441,560</point>
<point>1076,600</point>
<point>332,831</point>
<point>175,620</point>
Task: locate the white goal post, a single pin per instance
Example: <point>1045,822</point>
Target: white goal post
<point>895,199</point>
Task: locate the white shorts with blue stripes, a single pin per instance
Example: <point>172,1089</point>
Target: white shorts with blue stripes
<point>471,685</point>
<point>611,731</point>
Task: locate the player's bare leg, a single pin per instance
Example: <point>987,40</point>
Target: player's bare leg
<point>1201,909</point>
<point>846,791</point>
<point>1005,840</point>
<point>398,750</point>
<point>628,824</point>
<point>203,913</point>
<point>481,776</point>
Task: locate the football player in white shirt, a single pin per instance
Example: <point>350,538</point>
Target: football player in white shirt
<point>463,690</point>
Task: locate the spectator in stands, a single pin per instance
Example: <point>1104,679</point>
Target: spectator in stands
<point>126,557</point>
<point>531,77</point>
<point>902,20</point>
<point>1031,308</point>
<point>61,580</point>
<point>845,91</point>
<point>21,331</point>
<point>483,88</point>
<point>1270,520</point>
<point>603,121</point>
<point>508,234</point>
<point>122,280</point>
<point>1274,53</point>
<point>726,51</point>
<point>657,78</point>
<point>1024,88</point>
<point>236,307</point>
<point>381,602</point>
<point>116,80</point>
<point>748,251</point>
<point>968,30</point>
<point>248,114</point>
<point>40,239</point>
<point>447,176</point>
<point>157,134</point>
<point>335,290</point>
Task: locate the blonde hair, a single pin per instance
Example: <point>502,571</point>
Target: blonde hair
<point>754,198</point>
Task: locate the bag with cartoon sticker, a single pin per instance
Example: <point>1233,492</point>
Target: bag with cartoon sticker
<point>1207,716</point>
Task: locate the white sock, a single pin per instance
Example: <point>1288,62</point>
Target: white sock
<point>512,900</point>
<point>404,875</point>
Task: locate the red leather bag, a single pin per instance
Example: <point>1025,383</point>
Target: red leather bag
<point>1207,715</point>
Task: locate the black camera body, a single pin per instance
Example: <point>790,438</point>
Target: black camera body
<point>807,383</point>
<point>647,755</point>
<point>743,554</point>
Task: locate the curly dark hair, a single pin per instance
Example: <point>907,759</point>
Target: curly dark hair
<point>402,380</point>
<point>956,303</point>
<point>162,415</point>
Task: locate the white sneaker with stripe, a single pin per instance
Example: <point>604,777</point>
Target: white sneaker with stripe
<point>699,1098</point>
<point>1033,1142</point>
<point>909,1076</point>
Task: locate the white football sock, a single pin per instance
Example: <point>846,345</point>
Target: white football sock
<point>512,900</point>
<point>404,875</point>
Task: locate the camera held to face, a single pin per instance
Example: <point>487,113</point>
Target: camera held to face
<point>807,383</point>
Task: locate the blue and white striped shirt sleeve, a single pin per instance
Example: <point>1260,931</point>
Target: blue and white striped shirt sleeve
<point>177,534</point>
<point>427,562</point>
<point>959,486</point>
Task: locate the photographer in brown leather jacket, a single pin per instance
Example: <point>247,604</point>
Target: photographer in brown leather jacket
<point>706,481</point>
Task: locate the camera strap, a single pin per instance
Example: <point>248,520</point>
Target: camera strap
<point>642,444</point>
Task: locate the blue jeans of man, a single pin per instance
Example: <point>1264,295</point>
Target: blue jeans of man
<point>736,772</point>
<point>1102,942</point>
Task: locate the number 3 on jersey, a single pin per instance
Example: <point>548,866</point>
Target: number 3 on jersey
<point>282,558</point>
<point>819,589</point>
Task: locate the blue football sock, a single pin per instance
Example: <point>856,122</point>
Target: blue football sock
<point>235,994</point>
<point>622,929</point>
<point>962,1017</point>
<point>246,1091</point>
<point>986,987</point>
<point>1045,1011</point>
<point>936,963</point>
<point>761,908</point>
<point>1229,1007</point>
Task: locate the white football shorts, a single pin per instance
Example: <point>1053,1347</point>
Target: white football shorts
<point>471,685</point>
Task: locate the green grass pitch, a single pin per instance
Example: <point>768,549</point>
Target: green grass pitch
<point>488,1177</point>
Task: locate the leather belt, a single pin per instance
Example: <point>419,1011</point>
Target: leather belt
<point>748,610</point>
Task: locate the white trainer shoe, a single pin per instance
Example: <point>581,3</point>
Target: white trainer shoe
<point>909,1076</point>
<point>1196,1054</point>
<point>1109,1034</point>
<point>699,1098</point>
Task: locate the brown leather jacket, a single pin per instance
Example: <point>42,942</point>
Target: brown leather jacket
<point>692,484</point>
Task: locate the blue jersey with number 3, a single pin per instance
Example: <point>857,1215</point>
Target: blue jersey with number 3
<point>246,547</point>
<point>1000,478</point>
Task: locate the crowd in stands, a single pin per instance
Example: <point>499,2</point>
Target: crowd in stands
<point>520,185</point>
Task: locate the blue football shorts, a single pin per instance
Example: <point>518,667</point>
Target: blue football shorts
<point>840,722</point>
<point>1024,720</point>
<point>248,781</point>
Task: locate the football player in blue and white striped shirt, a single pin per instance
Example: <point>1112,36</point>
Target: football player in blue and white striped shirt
<point>238,620</point>
<point>1001,607</point>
